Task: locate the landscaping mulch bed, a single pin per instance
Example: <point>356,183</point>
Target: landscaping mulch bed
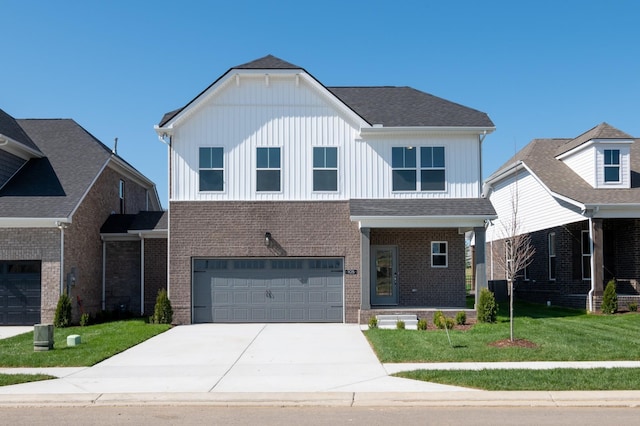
<point>519,343</point>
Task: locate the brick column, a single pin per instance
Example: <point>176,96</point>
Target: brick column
<point>365,268</point>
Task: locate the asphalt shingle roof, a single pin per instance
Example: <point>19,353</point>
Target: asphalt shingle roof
<point>386,105</point>
<point>540,156</point>
<point>143,221</point>
<point>9,127</point>
<point>434,207</point>
<point>53,186</point>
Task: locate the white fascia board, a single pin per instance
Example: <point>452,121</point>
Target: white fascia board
<point>421,221</point>
<point>614,211</point>
<point>33,222</point>
<point>590,143</point>
<point>377,130</point>
<point>18,149</point>
<point>151,233</point>
<point>130,172</point>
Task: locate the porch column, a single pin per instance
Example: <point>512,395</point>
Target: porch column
<point>598,259</point>
<point>365,259</point>
<point>480,265</point>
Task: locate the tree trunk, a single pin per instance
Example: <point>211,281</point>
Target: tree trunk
<point>510,282</point>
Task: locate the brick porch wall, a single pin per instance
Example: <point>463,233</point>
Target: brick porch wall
<point>122,276</point>
<point>236,229</point>
<point>419,283</point>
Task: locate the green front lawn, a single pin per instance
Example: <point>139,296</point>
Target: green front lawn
<point>548,380</point>
<point>15,379</point>
<point>99,342</point>
<point>559,335</point>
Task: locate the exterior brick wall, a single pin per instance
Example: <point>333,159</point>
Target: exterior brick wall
<point>237,229</point>
<point>419,283</point>
<point>83,246</point>
<point>37,244</point>
<point>155,271</point>
<point>122,272</point>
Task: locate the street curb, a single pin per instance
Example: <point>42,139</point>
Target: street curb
<point>335,399</point>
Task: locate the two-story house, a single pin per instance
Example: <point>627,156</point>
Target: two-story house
<point>579,200</point>
<point>58,187</point>
<point>290,201</point>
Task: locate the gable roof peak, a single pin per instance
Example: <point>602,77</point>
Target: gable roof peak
<point>601,131</point>
<point>268,62</point>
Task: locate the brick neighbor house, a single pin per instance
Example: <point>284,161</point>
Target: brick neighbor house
<point>58,187</point>
<point>579,199</point>
<point>290,201</point>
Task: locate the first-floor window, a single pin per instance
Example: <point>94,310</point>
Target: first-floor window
<point>268,169</point>
<point>211,168</point>
<point>439,254</point>
<point>586,256</point>
<point>552,256</point>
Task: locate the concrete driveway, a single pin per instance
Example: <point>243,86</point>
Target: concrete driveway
<point>230,358</point>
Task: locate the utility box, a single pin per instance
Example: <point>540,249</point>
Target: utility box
<point>73,340</point>
<point>42,337</point>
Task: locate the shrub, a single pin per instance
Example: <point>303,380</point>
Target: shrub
<point>438,319</point>
<point>487,306</point>
<point>461,318</point>
<point>633,306</point>
<point>610,299</point>
<point>373,322</point>
<point>422,324</point>
<point>85,319</point>
<point>400,325</point>
<point>62,317</point>
<point>163,313</point>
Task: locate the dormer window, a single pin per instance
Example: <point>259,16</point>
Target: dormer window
<point>612,165</point>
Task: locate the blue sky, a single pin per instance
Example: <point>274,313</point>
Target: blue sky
<point>539,68</point>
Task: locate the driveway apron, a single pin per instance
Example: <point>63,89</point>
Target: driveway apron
<point>239,358</point>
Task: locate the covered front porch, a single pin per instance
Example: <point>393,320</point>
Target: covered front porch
<point>412,254</point>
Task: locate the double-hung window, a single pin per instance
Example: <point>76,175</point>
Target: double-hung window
<point>439,254</point>
<point>403,163</point>
<point>432,168</point>
<point>612,165</point>
<point>121,196</point>
<point>586,256</point>
<point>552,256</point>
<point>268,170</point>
<point>325,169</point>
<point>211,169</point>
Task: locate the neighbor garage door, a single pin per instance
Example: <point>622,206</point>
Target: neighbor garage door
<point>268,290</point>
<point>19,292</point>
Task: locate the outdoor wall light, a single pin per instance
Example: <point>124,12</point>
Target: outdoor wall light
<point>267,239</point>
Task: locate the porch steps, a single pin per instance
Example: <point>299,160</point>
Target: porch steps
<point>390,321</point>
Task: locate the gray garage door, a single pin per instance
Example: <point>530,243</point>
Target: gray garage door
<point>268,290</point>
<point>19,292</point>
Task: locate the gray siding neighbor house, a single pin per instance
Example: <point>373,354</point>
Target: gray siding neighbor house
<point>290,201</point>
<point>58,186</point>
<point>579,199</point>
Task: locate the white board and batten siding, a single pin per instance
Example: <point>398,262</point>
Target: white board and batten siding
<point>537,209</point>
<point>294,115</point>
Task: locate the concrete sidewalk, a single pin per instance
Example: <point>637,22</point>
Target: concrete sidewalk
<point>273,364</point>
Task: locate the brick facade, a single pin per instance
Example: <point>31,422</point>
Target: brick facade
<point>621,259</point>
<point>155,271</point>
<point>237,229</point>
<point>419,283</point>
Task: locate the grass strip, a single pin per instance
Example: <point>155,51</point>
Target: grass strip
<point>559,379</point>
<point>15,379</point>
<point>99,342</point>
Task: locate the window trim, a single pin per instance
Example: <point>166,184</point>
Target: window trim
<point>221,169</point>
<point>585,256</point>
<point>268,168</point>
<point>404,167</point>
<point>434,168</point>
<point>324,168</point>
<point>552,255</point>
<point>445,254</point>
<point>617,165</point>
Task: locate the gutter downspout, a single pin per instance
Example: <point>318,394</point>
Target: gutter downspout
<point>141,273</point>
<point>161,138</point>
<point>62,226</point>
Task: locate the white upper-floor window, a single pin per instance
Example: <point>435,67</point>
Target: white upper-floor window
<point>268,170</point>
<point>325,169</point>
<point>405,166</point>
<point>211,169</point>
<point>612,165</point>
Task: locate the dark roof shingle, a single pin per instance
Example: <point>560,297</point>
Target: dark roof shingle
<point>423,207</point>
